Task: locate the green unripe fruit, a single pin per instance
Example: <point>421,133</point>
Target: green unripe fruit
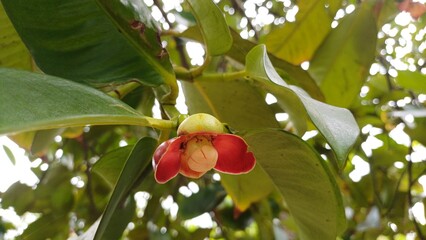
<point>200,122</point>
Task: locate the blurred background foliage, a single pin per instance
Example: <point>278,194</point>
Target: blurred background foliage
<point>382,184</point>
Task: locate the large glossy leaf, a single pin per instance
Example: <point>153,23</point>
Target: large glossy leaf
<point>76,40</point>
<point>303,178</point>
<point>134,20</point>
<point>336,124</point>
<point>341,64</point>
<point>236,103</point>
<point>243,108</point>
<point>13,52</point>
<point>135,168</point>
<point>32,101</point>
<point>213,26</point>
<point>297,41</point>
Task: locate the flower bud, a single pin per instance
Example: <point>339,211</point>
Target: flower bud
<point>200,122</point>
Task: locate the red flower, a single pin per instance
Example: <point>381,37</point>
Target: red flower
<point>195,152</point>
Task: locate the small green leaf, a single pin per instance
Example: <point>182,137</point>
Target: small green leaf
<point>297,41</point>
<point>247,188</point>
<point>110,165</point>
<point>77,41</point>
<point>336,124</point>
<point>341,64</point>
<point>213,26</point>
<point>303,178</point>
<point>19,196</point>
<point>43,139</point>
<point>32,101</point>
<point>13,52</point>
<point>203,201</point>
<point>48,226</point>
<point>414,81</point>
<point>136,168</point>
<point>9,154</point>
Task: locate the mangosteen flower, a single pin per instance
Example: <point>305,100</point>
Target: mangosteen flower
<point>201,145</point>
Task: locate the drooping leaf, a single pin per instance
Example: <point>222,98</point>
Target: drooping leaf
<point>297,171</point>
<point>297,41</point>
<point>135,168</point>
<point>134,20</point>
<point>13,52</point>
<point>243,108</point>
<point>77,41</point>
<point>341,65</point>
<point>46,102</point>
<point>213,26</point>
<point>110,165</point>
<point>336,124</point>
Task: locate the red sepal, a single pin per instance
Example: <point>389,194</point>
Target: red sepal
<point>233,157</point>
<point>166,160</point>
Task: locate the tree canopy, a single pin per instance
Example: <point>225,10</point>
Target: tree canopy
<point>313,121</point>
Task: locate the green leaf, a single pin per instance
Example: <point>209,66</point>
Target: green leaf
<point>76,40</point>
<point>43,139</point>
<point>213,26</point>
<point>414,81</point>
<point>297,41</point>
<point>243,108</point>
<point>417,130</point>
<point>336,124</point>
<point>235,103</point>
<point>9,154</point>
<point>48,226</point>
<point>136,168</point>
<point>203,201</point>
<point>110,165</point>
<point>13,52</point>
<point>134,20</point>
<point>247,188</point>
<point>19,196</point>
<point>121,218</point>
<point>240,47</point>
<point>341,65</point>
<point>302,176</point>
<point>32,101</point>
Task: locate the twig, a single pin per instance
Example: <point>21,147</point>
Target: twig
<point>387,76</point>
<point>178,41</point>
<point>92,205</point>
<point>410,197</point>
<point>237,5</point>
